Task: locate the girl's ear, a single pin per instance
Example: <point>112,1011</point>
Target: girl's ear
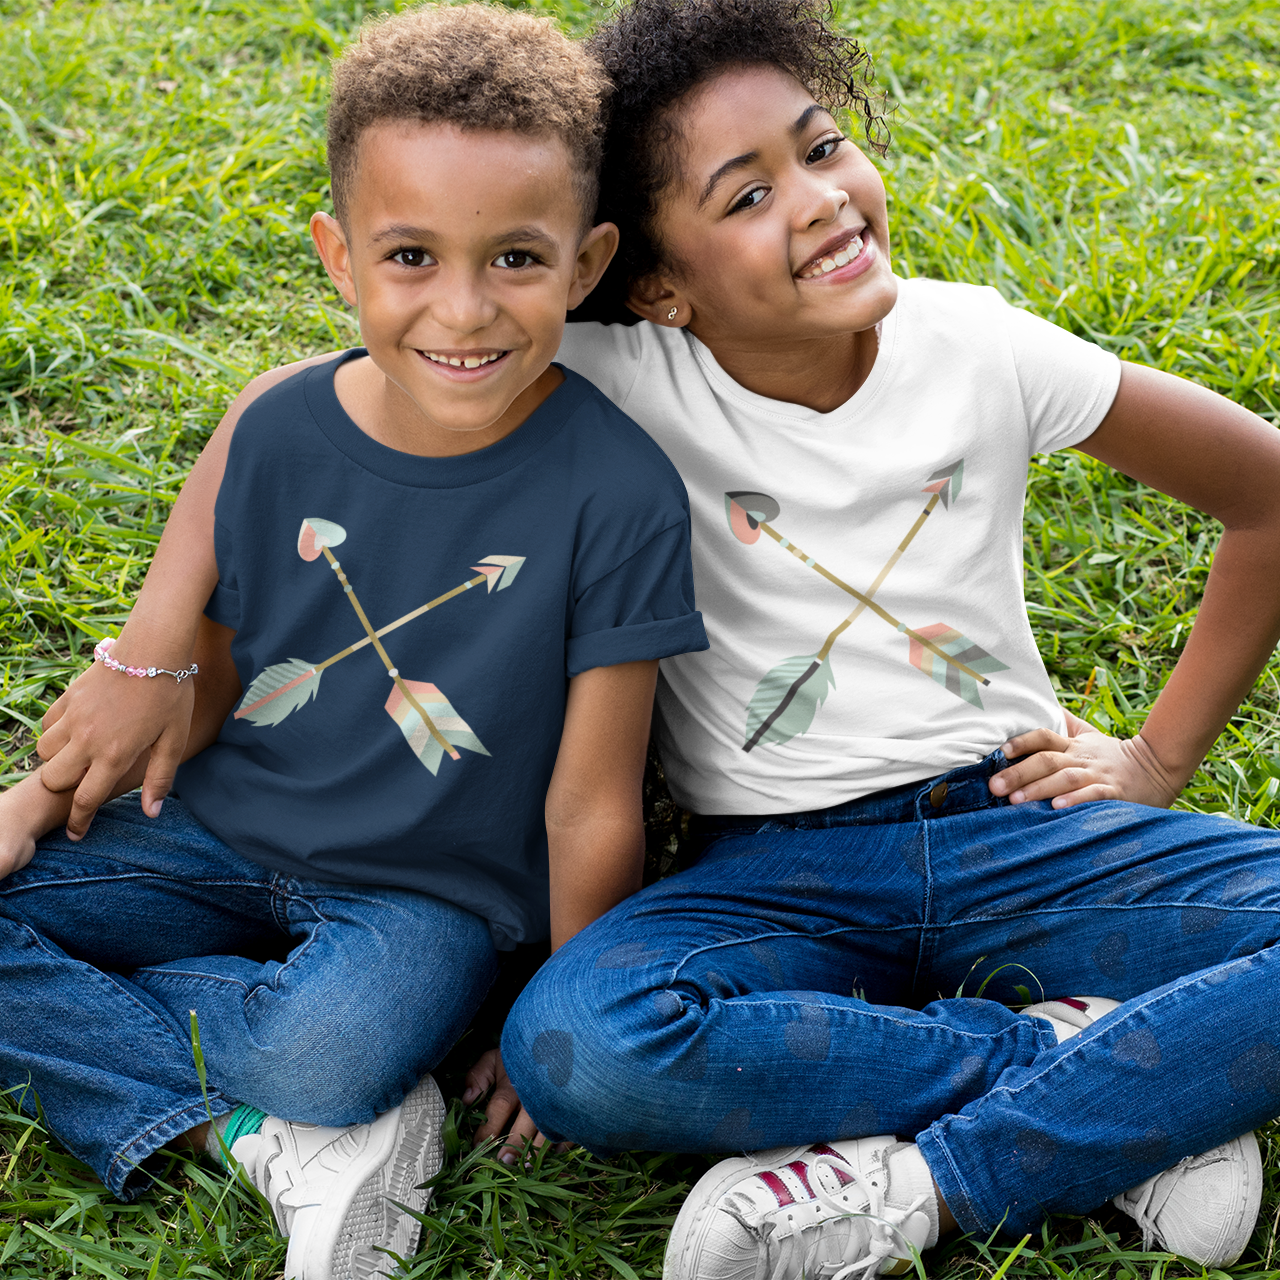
<point>660,300</point>
<point>331,244</point>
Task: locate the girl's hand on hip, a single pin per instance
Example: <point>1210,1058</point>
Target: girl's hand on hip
<point>1087,764</point>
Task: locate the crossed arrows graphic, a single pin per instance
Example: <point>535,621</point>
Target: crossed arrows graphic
<point>432,728</point>
<point>787,698</point>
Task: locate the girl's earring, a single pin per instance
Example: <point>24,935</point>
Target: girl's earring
<point>671,315</point>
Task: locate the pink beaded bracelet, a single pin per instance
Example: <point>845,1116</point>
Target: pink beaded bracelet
<point>102,654</point>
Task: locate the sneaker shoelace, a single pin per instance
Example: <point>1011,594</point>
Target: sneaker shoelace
<point>882,1223</point>
<point>1145,1203</point>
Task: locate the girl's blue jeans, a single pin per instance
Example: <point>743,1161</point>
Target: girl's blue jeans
<point>815,976</point>
<point>315,1002</point>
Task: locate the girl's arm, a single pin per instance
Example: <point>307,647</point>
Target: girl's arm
<point>103,723</point>
<point>1223,460</point>
<point>595,839</point>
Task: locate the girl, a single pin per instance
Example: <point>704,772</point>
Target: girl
<point>855,447</point>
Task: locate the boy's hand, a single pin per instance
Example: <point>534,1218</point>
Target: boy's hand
<point>489,1073</point>
<point>103,723</point>
<point>1085,765</point>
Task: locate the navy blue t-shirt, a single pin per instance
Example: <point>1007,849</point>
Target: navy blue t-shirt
<point>420,758</point>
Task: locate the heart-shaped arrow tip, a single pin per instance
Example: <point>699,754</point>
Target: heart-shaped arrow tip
<point>500,570</point>
<point>746,512</point>
<point>316,533</point>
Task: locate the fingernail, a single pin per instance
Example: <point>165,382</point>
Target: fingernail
<point>469,1095</point>
<point>508,1157</point>
<point>1007,748</point>
<point>998,784</point>
<point>155,808</point>
<point>1017,798</point>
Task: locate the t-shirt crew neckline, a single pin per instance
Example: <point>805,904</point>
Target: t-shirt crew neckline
<point>412,469</point>
<point>798,414</point>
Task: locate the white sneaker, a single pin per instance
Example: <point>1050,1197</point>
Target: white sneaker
<point>337,1193</point>
<point>822,1211</point>
<point>1203,1208</point>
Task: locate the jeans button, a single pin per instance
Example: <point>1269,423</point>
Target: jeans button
<point>938,795</point>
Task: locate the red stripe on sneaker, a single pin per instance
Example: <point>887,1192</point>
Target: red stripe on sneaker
<point>1073,1003</point>
<point>821,1149</point>
<point>778,1187</point>
<point>799,1168</point>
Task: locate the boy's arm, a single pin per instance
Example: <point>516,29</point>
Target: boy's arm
<point>1223,460</point>
<point>30,809</point>
<point>103,723</point>
<point>595,837</point>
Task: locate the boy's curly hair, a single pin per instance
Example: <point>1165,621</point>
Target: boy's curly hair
<point>477,66</point>
<point>656,52</point>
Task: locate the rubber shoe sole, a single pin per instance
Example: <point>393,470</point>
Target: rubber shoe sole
<point>352,1240</point>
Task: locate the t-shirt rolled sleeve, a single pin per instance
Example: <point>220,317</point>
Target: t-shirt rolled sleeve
<point>641,610</point>
<point>224,606</point>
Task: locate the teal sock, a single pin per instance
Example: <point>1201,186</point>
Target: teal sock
<point>226,1130</point>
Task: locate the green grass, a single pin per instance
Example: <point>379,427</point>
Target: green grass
<point>1112,165</point>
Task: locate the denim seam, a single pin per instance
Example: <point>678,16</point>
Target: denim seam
<point>924,964</point>
<point>745,1001</point>
<point>189,977</point>
<point>780,933</point>
<point>299,952</point>
<point>961,1206</point>
<point>29,884</point>
<point>167,1125</point>
<point>1037,913</point>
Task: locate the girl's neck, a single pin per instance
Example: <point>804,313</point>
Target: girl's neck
<point>817,373</point>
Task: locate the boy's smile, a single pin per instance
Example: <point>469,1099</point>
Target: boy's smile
<point>462,250</point>
<point>778,234</point>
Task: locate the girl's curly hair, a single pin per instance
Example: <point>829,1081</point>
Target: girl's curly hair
<point>656,52</point>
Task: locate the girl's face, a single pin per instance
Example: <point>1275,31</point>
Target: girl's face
<point>778,222</point>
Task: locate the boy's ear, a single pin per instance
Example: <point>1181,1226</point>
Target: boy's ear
<point>594,255</point>
<point>331,244</point>
<point>660,300</point>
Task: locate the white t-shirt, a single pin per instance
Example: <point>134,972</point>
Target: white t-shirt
<point>786,712</point>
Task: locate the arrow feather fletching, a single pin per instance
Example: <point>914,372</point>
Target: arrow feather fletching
<point>963,650</point>
<point>787,699</point>
<point>457,732</point>
<point>278,692</point>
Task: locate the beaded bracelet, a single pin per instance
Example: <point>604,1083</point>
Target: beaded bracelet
<point>101,653</point>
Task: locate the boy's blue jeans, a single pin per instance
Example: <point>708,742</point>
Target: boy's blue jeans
<point>316,1002</point>
<point>812,977</point>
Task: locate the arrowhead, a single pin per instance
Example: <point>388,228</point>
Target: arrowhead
<point>506,567</point>
<point>946,483</point>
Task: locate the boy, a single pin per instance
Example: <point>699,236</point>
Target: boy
<point>442,518</point>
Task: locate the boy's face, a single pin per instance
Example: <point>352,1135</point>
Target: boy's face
<point>461,250</point>
<point>769,192</point>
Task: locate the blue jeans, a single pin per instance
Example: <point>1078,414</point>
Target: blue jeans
<point>813,977</point>
<point>316,1002</point>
